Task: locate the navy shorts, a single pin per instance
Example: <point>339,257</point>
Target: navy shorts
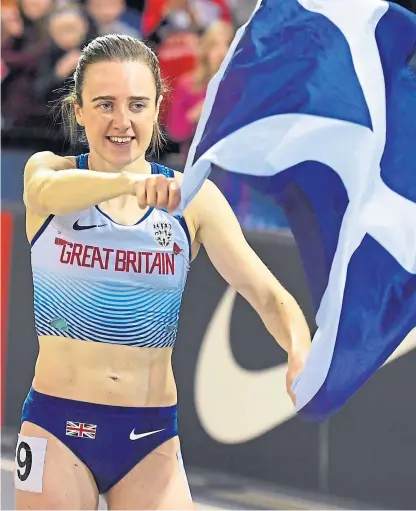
<point>109,440</point>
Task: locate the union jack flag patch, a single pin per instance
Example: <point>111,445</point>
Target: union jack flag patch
<point>81,429</point>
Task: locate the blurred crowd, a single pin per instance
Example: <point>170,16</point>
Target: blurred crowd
<point>41,42</point>
<point>42,39</point>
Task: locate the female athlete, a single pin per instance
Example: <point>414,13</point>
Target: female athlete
<point>109,265</point>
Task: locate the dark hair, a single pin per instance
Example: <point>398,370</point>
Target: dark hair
<point>110,47</point>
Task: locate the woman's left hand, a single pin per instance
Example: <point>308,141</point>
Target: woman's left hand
<point>295,364</point>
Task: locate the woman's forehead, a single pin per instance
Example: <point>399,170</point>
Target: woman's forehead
<point>119,78</point>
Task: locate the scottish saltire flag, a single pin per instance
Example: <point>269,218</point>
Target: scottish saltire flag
<point>315,104</point>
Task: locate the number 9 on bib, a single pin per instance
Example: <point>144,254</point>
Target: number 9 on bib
<point>30,463</point>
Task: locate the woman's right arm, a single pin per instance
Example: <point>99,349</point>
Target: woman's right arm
<point>47,191</point>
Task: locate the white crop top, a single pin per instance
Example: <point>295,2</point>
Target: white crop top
<point>97,280</point>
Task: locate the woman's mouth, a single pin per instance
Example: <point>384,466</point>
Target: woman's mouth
<point>121,141</point>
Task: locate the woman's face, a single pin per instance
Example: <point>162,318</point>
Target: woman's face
<point>68,29</point>
<point>119,110</point>
<point>106,11</point>
<point>218,50</point>
<point>36,9</point>
<point>215,44</point>
<point>11,22</point>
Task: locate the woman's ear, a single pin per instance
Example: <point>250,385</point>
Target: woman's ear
<point>159,102</point>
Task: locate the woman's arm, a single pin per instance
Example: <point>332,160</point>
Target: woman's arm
<point>47,191</point>
<point>219,231</point>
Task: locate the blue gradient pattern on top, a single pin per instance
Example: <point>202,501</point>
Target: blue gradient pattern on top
<point>109,312</point>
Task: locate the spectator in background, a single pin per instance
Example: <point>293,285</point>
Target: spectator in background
<point>34,14</point>
<point>162,16</point>
<point>11,30</point>
<point>208,11</point>
<point>114,17</point>
<point>68,30</point>
<point>189,93</point>
<point>171,27</point>
<point>21,54</point>
<point>11,23</point>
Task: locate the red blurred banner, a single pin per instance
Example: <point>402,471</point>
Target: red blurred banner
<point>6,249</point>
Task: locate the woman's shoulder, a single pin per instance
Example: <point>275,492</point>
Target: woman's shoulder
<point>207,196</point>
<point>51,160</point>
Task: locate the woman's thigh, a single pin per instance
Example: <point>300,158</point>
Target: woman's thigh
<point>48,475</point>
<point>157,482</point>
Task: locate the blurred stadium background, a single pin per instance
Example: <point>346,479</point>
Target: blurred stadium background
<point>363,458</point>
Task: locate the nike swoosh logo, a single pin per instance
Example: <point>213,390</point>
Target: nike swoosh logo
<point>238,405</point>
<point>78,227</point>
<point>142,435</point>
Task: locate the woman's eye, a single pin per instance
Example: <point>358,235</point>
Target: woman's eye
<point>105,107</point>
<point>137,107</point>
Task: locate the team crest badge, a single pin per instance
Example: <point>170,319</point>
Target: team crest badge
<point>163,233</point>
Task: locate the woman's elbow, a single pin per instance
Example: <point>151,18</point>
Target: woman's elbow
<point>35,199</point>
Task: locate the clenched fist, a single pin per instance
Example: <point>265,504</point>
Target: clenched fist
<point>156,191</point>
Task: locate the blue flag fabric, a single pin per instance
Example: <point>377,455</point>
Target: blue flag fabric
<point>315,104</point>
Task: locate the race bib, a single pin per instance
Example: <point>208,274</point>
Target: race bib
<point>30,463</point>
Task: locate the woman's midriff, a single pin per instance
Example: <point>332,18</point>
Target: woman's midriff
<point>105,373</point>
